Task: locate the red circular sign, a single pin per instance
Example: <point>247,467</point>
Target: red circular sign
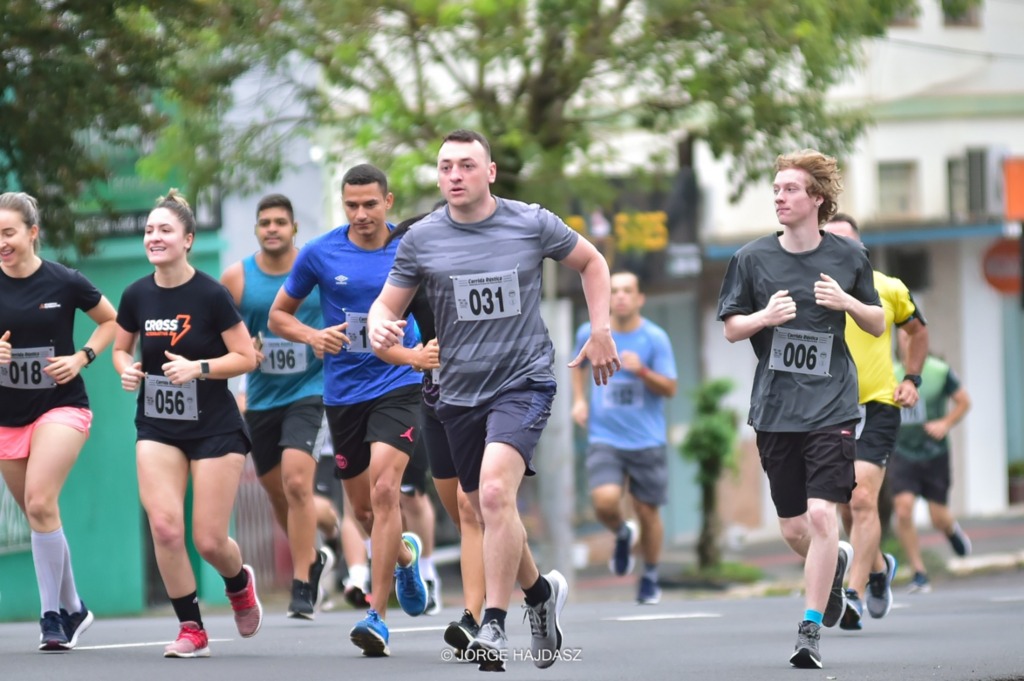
<point>1001,266</point>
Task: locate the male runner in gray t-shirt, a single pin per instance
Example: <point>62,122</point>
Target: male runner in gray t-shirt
<point>788,293</point>
<point>480,260</point>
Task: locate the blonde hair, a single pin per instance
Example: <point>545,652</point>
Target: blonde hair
<point>27,206</point>
<point>826,180</point>
<point>177,204</point>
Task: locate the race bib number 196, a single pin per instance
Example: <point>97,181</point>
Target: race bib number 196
<point>489,295</point>
<point>25,371</point>
<point>801,352</point>
<point>281,356</point>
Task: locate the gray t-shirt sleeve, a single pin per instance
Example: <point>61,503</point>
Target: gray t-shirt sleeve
<point>557,238</point>
<point>864,285</point>
<point>737,295</point>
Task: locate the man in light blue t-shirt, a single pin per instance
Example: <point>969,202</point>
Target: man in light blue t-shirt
<point>625,422</point>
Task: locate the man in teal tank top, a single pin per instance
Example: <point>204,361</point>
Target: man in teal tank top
<point>284,398</point>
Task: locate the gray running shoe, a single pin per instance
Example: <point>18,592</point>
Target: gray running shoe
<point>544,626</point>
<point>489,648</point>
<point>806,655</point>
<point>837,597</point>
<point>879,596</point>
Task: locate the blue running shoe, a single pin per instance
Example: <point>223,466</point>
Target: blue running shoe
<point>851,619</point>
<point>409,585</point>
<point>371,635</point>
<point>649,592</point>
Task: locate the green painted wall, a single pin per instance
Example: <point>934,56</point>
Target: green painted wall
<point>100,509</point>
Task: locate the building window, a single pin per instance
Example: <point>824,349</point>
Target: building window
<point>897,189</point>
<point>961,13</point>
<point>905,18</point>
<point>956,179</point>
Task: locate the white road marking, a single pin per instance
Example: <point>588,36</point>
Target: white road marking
<point>409,630</point>
<point>670,616</point>
<point>113,646</point>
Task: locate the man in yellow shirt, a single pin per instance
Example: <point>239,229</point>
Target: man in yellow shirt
<point>881,397</point>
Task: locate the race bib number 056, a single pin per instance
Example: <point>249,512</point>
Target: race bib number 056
<point>164,400</point>
<point>490,295</point>
<point>25,372</point>
<point>801,352</point>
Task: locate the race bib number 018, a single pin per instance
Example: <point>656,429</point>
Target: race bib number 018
<point>356,332</point>
<point>164,400</point>
<point>25,372</point>
<point>801,352</point>
<point>282,356</point>
<point>491,295</point>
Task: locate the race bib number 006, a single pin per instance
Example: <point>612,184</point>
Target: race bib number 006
<point>164,400</point>
<point>801,352</point>
<point>25,372</point>
<point>491,295</point>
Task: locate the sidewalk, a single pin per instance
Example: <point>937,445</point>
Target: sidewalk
<point>998,544</point>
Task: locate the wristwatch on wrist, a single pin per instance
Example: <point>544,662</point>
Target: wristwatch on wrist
<point>913,378</point>
<point>90,355</point>
<point>204,369</point>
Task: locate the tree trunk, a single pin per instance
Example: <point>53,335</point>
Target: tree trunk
<point>709,554</point>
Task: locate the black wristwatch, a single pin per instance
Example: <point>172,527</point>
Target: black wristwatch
<point>204,369</point>
<point>90,355</point>
<point>913,378</point>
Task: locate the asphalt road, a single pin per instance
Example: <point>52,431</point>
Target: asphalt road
<point>970,629</point>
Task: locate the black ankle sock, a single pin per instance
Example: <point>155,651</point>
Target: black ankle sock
<point>539,592</point>
<point>496,615</point>
<point>236,583</point>
<point>187,609</point>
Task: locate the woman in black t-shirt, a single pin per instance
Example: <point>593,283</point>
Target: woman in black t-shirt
<point>192,339</point>
<point>44,410</point>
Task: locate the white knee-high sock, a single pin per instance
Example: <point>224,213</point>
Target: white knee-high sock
<point>48,556</point>
<point>68,591</point>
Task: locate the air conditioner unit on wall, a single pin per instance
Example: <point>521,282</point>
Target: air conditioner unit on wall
<point>985,182</point>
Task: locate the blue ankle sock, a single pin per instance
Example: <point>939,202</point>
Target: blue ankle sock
<point>812,616</point>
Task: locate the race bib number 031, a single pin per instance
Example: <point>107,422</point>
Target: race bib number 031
<point>491,295</point>
<point>164,400</point>
<point>25,372</point>
<point>801,352</point>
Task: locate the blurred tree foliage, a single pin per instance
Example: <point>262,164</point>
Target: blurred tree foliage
<point>82,79</point>
<point>550,82</point>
